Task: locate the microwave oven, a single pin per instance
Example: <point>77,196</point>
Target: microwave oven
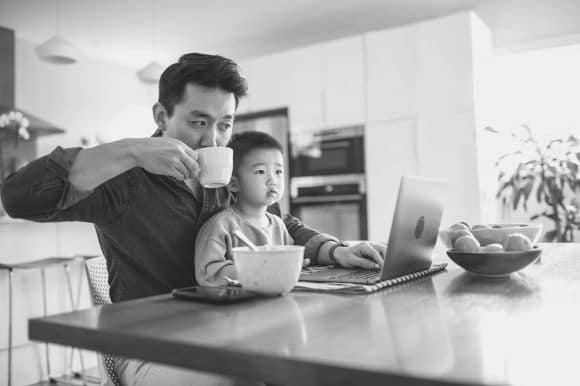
<point>330,152</point>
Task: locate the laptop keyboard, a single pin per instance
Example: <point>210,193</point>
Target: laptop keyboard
<point>366,274</point>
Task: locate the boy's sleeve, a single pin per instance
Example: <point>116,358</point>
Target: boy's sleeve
<point>213,259</point>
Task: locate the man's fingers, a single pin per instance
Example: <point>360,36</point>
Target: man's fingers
<point>371,253</point>
<point>175,174</point>
<point>191,165</point>
<point>363,263</point>
<point>381,247</point>
<point>181,170</point>
<point>191,153</point>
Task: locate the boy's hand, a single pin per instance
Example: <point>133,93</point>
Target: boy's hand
<point>305,263</point>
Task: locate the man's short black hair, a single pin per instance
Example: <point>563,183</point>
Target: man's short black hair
<point>211,71</point>
<point>247,141</point>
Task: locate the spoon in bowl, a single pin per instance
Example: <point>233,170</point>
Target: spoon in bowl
<point>244,239</point>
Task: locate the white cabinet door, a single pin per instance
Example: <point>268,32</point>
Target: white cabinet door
<point>391,73</point>
<point>343,102</point>
<point>305,92</point>
<point>268,83</point>
<point>391,152</point>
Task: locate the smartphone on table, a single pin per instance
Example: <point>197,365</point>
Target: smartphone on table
<point>215,295</point>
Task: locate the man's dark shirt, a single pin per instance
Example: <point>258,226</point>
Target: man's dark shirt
<point>146,223</point>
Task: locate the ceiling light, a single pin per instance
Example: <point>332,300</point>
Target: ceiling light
<point>57,50</point>
<point>150,73</point>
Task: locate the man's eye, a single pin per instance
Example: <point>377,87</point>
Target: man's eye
<point>198,123</point>
<point>279,171</point>
<point>260,171</point>
<point>225,126</point>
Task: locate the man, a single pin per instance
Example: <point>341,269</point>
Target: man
<point>143,194</point>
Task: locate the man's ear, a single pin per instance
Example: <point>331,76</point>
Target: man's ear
<point>234,186</point>
<point>160,116</point>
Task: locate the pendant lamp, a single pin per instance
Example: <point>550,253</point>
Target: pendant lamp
<point>57,49</point>
<point>151,73</point>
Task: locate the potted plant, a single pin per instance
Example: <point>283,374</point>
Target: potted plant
<point>549,174</point>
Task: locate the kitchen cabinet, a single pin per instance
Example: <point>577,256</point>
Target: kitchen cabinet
<point>343,76</point>
<point>391,67</point>
<point>391,152</point>
<point>322,85</point>
<point>268,83</point>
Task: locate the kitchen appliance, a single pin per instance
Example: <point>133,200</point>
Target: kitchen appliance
<point>327,187</point>
<point>333,204</point>
<point>328,152</point>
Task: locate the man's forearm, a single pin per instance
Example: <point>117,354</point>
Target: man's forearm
<point>94,166</point>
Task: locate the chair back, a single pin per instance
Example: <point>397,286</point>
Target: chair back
<point>98,280</point>
<point>98,276</point>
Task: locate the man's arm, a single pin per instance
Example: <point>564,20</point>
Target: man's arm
<point>160,155</point>
<point>94,166</point>
<point>47,188</point>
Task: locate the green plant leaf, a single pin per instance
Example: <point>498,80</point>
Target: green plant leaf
<point>550,236</point>
<point>540,191</point>
<point>503,187</point>
<point>516,199</point>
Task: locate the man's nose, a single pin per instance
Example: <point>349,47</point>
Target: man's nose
<point>209,137</point>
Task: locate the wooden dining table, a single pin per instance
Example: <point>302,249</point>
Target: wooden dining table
<point>447,329</point>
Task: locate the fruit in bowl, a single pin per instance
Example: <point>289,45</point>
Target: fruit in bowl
<point>493,250</point>
<point>498,233</point>
<point>487,234</point>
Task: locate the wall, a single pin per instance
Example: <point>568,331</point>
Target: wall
<point>412,86</point>
<point>420,93</point>
<point>531,24</point>
<point>538,88</point>
<point>88,98</point>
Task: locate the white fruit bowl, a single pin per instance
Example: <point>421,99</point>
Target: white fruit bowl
<point>497,264</point>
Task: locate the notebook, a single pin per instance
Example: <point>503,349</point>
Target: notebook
<point>354,288</point>
<point>413,235</point>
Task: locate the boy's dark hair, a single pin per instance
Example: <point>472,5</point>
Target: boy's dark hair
<point>211,71</point>
<point>243,143</point>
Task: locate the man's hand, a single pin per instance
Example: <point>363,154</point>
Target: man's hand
<point>368,255</point>
<point>167,156</point>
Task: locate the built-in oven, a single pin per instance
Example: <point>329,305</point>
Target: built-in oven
<point>333,204</point>
<point>328,152</point>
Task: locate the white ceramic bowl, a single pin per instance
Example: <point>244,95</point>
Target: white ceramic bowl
<point>272,270</point>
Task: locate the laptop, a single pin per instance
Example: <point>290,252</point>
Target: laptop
<point>413,236</point>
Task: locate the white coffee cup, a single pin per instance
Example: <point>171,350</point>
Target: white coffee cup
<point>216,165</point>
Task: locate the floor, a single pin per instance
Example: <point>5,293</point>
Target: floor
<point>92,377</point>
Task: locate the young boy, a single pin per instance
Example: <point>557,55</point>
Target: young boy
<point>257,182</point>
